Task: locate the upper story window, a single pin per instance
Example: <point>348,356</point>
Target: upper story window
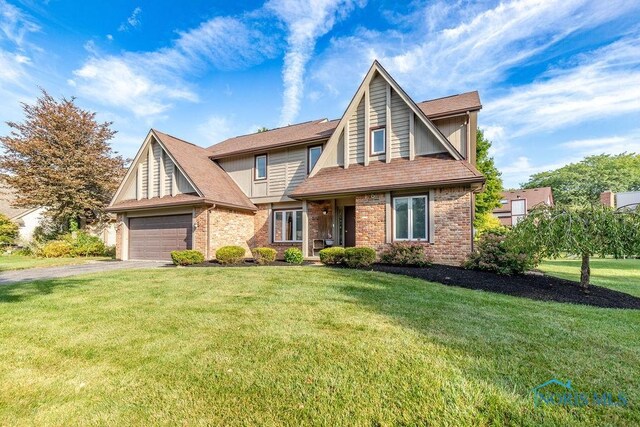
<point>260,170</point>
<point>313,155</point>
<point>410,218</point>
<point>378,141</point>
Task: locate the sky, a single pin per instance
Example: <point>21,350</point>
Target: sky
<point>558,80</point>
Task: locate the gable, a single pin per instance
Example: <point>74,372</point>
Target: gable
<point>380,103</point>
<point>153,173</point>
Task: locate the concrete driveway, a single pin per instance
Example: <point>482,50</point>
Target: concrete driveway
<point>45,273</point>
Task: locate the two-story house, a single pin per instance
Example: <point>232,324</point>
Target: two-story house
<point>389,170</point>
<point>516,204</point>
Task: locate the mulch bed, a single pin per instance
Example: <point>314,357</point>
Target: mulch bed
<point>532,286</point>
<point>247,263</point>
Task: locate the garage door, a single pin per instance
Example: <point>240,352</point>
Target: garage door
<point>155,237</point>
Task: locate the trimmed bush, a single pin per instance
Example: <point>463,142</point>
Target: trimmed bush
<point>293,256</point>
<point>57,249</point>
<point>230,255</point>
<point>493,253</point>
<point>188,257</point>
<point>405,253</point>
<point>264,255</point>
<point>359,257</point>
<point>332,256</point>
<point>84,244</point>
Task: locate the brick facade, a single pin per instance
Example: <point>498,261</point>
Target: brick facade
<point>320,216</point>
<point>262,232</point>
<point>199,242</point>
<point>230,227</point>
<point>451,219</point>
<point>120,230</point>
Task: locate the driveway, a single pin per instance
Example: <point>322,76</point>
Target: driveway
<point>45,273</point>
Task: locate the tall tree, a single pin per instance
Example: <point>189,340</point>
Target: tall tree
<point>59,158</point>
<point>584,231</point>
<point>583,182</point>
<point>489,199</point>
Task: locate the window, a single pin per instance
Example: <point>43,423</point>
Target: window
<point>260,167</point>
<point>504,201</point>
<point>377,141</point>
<point>287,226</point>
<point>410,218</point>
<point>313,156</point>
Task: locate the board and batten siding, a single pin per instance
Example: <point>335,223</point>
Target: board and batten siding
<point>425,140</point>
<point>455,129</point>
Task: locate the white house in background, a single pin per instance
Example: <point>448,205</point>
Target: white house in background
<point>627,199</point>
<point>26,218</point>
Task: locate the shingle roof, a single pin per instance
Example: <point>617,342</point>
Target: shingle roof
<point>178,200</point>
<point>7,196</point>
<point>424,171</point>
<point>534,196</point>
<point>287,135</point>
<point>469,101</point>
<point>212,181</point>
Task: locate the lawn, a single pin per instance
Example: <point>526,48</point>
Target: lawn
<point>301,346</point>
<point>15,262</point>
<point>620,274</point>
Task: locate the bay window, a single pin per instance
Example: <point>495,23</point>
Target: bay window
<point>410,218</point>
<point>287,225</point>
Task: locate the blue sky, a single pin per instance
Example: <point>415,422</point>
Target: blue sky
<point>558,79</point>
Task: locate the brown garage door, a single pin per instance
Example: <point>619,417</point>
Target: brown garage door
<point>155,237</point>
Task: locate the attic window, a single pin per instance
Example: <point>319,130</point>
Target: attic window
<point>377,141</point>
<point>261,167</point>
<point>504,201</point>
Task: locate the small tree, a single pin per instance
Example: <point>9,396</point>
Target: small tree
<point>489,198</point>
<point>60,158</point>
<point>585,231</point>
<point>8,231</point>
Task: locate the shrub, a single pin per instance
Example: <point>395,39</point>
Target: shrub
<point>188,257</point>
<point>110,251</point>
<point>264,255</point>
<point>493,253</point>
<point>359,257</point>
<point>8,231</point>
<point>333,255</point>
<point>230,255</point>
<point>84,244</point>
<point>293,256</point>
<point>26,251</point>
<point>57,249</point>
<point>405,253</point>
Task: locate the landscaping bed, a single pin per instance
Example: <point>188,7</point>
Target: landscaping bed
<point>248,263</point>
<point>533,286</point>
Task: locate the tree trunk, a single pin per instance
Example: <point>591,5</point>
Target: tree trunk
<point>585,273</point>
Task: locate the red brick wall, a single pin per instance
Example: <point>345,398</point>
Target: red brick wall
<point>320,225</point>
<point>452,224</point>
<point>608,199</point>
<point>200,231</point>
<point>120,230</point>
<point>261,238</point>
<point>230,227</point>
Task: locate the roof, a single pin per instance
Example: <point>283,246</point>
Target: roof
<point>303,132</point>
<point>209,178</point>
<point>461,103</point>
<point>7,196</point>
<point>156,202</point>
<point>534,196</point>
<point>423,171</point>
<point>321,129</point>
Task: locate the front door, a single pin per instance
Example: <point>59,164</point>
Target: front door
<point>349,226</point>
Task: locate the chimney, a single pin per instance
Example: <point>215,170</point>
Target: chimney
<point>607,198</point>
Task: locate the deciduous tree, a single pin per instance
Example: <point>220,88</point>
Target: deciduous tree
<point>59,158</point>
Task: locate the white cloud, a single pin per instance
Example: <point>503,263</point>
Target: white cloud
<point>306,22</point>
<point>615,144</point>
<point>602,84</point>
<point>15,24</point>
<point>133,21</point>
<point>216,129</point>
<point>109,37</point>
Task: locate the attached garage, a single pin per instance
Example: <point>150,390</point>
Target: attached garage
<point>153,238</point>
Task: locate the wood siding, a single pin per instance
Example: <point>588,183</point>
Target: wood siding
<point>400,115</point>
<point>455,129</point>
<point>356,135</point>
<point>378,101</point>
<point>425,140</point>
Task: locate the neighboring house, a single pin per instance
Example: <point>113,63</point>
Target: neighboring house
<point>515,204</point>
<point>26,218</point>
<point>627,199</point>
<point>389,170</point>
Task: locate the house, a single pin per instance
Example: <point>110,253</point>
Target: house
<point>26,218</point>
<point>622,200</point>
<point>515,204</point>
<point>388,170</point>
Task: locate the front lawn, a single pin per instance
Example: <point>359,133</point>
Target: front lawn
<point>16,262</point>
<point>300,346</point>
<point>620,274</point>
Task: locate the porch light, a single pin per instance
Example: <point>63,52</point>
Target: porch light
<point>324,211</point>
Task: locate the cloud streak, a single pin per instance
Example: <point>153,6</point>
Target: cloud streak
<point>133,21</point>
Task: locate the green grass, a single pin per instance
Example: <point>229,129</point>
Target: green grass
<point>620,274</point>
<point>16,262</point>
<point>301,346</point>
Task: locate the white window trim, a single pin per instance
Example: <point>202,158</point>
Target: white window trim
<point>255,166</point>
<point>283,225</point>
<point>309,166</point>
<point>384,141</point>
<point>410,219</point>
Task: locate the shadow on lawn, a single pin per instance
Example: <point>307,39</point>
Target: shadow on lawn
<point>23,291</point>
